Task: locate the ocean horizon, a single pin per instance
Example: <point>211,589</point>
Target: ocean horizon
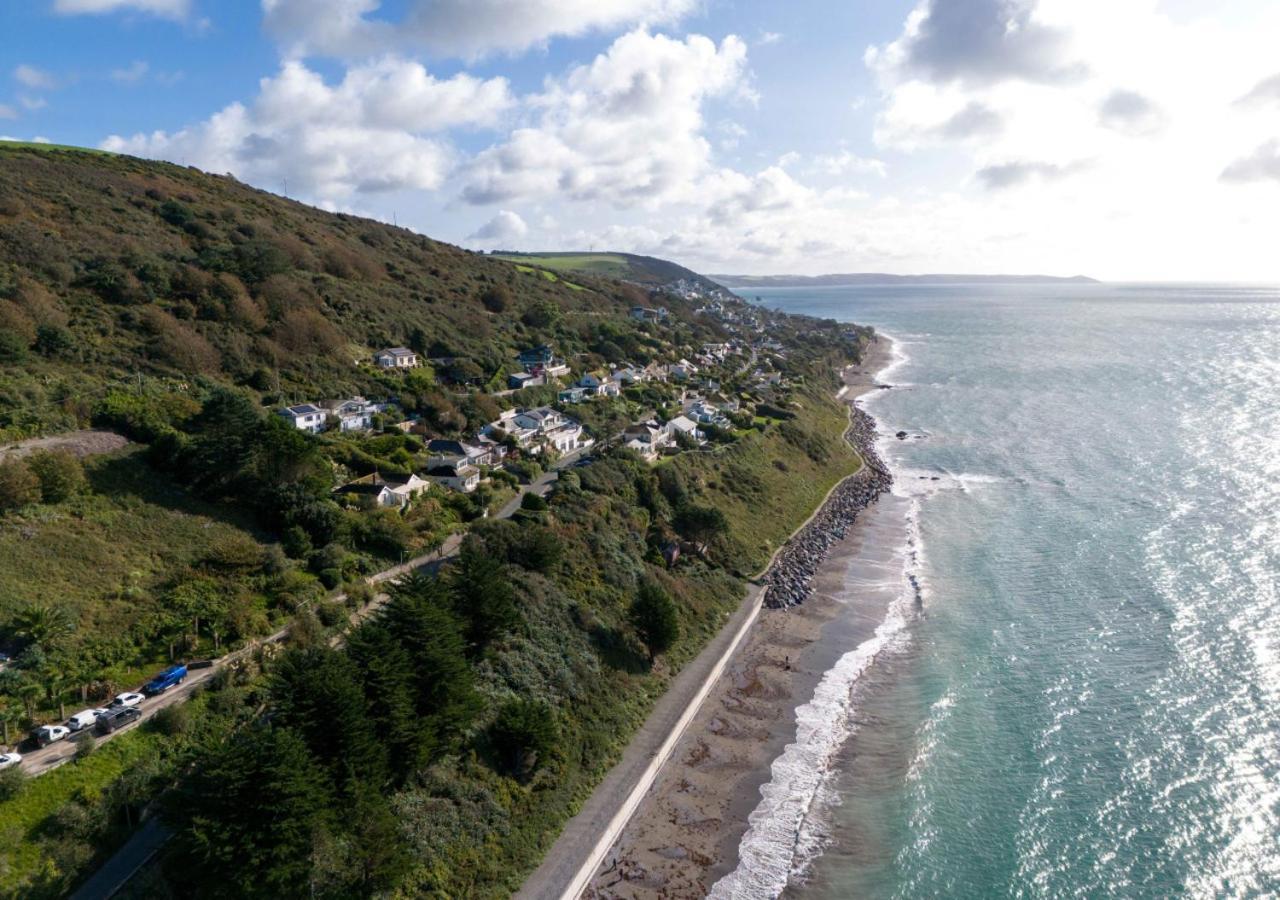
<point>1083,702</point>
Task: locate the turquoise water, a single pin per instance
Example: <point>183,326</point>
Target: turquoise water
<point>1086,705</point>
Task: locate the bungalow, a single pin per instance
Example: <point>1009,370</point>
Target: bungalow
<point>682,370</point>
<point>520,380</point>
<point>645,314</point>
<point>541,420</point>
<point>355,414</point>
<point>567,437</point>
<point>506,424</point>
<point>683,425</point>
<point>646,438</point>
<point>536,357</point>
<point>629,375</point>
<point>396,358</point>
<point>441,452</point>
<point>405,489</point>
<point>556,370</point>
<point>304,417</point>
<point>375,488</point>
<point>573,395</point>
<point>462,477</point>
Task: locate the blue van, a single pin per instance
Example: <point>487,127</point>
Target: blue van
<point>165,680</point>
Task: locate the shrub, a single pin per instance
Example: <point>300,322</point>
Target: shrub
<point>533,502</point>
<point>524,734</point>
<point>655,619</point>
<point>173,720</point>
<point>12,781</point>
<point>19,486</point>
<point>60,474</point>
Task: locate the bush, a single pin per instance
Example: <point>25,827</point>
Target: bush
<point>524,735</point>
<point>12,781</point>
<point>19,486</point>
<point>60,474</point>
<point>173,720</point>
<point>655,619</point>
<point>533,502</point>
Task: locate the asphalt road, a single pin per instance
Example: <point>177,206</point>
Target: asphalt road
<point>37,762</point>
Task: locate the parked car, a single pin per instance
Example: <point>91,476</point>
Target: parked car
<point>165,680</point>
<point>9,759</point>
<point>85,719</point>
<point>49,734</point>
<point>116,719</point>
<point>128,698</point>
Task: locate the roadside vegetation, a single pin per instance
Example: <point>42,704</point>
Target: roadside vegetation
<point>438,747</point>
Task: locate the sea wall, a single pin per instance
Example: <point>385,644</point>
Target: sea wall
<point>790,578</point>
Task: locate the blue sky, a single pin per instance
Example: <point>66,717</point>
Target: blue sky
<point>1126,139</point>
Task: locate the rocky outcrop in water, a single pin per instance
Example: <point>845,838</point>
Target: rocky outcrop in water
<point>789,579</point>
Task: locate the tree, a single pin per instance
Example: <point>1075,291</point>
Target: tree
<point>13,346</point>
<point>18,485</point>
<point>251,814</point>
<point>524,734</point>
<point>59,472</point>
<point>482,594</point>
<point>701,524</point>
<point>317,692</point>
<point>531,502</point>
<point>655,618</point>
<point>195,599</point>
<point>43,625</point>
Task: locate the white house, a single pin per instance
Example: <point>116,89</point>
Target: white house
<point>396,358</point>
<point>683,425</point>
<point>304,417</point>
<point>463,477</point>
<point>354,414</point>
<point>443,452</point>
<point>644,314</point>
<point>405,489</point>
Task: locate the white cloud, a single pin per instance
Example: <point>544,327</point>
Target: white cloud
<point>1265,93</point>
<point>7,112</point>
<point>36,79</point>
<point>1262,165</point>
<point>976,42</point>
<point>374,131</point>
<point>505,226</point>
<point>848,163</point>
<point>132,74</point>
<point>168,9</point>
<point>32,103</point>
<point>1129,112</point>
<point>625,129</point>
<point>452,28</point>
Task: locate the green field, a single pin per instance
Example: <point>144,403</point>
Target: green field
<point>42,145</point>
<point>611,265</point>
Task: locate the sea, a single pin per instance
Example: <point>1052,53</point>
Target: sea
<point>1084,699</point>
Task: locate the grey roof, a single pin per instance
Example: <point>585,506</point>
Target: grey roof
<point>301,409</point>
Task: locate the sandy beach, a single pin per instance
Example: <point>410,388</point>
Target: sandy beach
<point>686,833</point>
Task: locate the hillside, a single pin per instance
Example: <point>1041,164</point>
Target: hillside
<point>438,750</point>
<point>117,268</point>
<point>880,278</point>
<point>644,270</point>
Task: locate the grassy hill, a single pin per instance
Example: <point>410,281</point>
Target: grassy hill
<point>645,270</point>
<point>116,268</point>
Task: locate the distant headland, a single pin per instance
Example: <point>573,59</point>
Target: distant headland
<point>871,278</point>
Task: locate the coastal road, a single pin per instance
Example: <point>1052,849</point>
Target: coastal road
<point>583,844</point>
<point>37,762</point>
<point>577,854</point>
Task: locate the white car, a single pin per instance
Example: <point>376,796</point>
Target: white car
<point>51,734</point>
<point>86,718</point>
<point>9,759</point>
<point>128,698</point>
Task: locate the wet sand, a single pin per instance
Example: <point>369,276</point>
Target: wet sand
<point>686,832</point>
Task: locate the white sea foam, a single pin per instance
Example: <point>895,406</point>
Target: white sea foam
<point>778,842</point>
<point>784,833</point>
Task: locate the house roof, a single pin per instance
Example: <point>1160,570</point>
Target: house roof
<point>440,445</point>
<point>302,409</point>
<point>396,351</point>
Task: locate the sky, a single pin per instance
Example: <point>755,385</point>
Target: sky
<point>1123,139</point>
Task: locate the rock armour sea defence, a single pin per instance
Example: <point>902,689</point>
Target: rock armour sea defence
<point>789,579</point>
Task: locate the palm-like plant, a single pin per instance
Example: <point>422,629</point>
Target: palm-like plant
<point>44,625</point>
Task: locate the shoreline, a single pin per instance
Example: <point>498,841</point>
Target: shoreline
<point>685,834</point>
